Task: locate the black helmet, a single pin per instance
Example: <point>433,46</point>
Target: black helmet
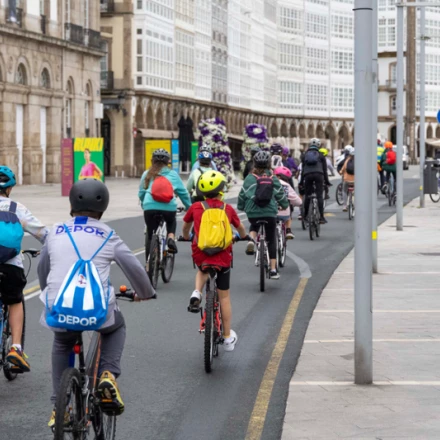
<point>276,148</point>
<point>161,155</point>
<point>262,159</point>
<point>89,195</point>
<point>254,150</point>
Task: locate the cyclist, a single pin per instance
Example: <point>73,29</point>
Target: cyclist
<point>276,151</point>
<point>250,163</point>
<point>347,173</point>
<point>205,161</point>
<point>330,169</point>
<point>343,157</point>
<point>314,173</point>
<point>380,150</point>
<point>14,280</point>
<point>211,186</point>
<point>156,193</point>
<point>288,160</point>
<point>388,164</point>
<point>285,175</point>
<point>89,199</point>
<point>249,201</point>
<point>203,148</point>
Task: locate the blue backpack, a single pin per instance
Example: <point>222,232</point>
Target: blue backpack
<point>81,303</point>
<point>11,234</point>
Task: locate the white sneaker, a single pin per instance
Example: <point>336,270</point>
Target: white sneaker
<point>230,342</point>
<point>195,301</point>
<point>250,248</point>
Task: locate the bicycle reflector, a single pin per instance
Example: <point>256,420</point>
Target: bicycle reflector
<point>77,349</point>
<point>123,289</point>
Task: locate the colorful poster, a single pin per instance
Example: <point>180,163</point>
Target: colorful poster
<point>66,166</point>
<point>175,155</point>
<point>194,152</point>
<point>152,145</point>
<point>88,158</point>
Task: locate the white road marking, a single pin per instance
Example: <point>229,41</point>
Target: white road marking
<point>379,311</point>
<point>303,267</point>
<point>379,383</point>
<point>338,341</point>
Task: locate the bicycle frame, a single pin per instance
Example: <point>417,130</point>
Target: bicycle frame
<point>262,233</point>
<point>217,309</point>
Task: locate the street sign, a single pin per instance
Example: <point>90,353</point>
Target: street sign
<point>438,116</point>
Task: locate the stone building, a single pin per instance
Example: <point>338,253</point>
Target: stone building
<point>49,82</point>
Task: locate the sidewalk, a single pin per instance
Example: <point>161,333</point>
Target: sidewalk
<point>404,402</point>
<point>46,203</point>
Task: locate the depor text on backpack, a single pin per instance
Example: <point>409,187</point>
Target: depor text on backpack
<point>11,234</point>
<point>311,157</point>
<point>391,157</point>
<point>264,190</point>
<point>215,233</point>
<point>350,166</point>
<point>162,190</point>
<point>81,303</point>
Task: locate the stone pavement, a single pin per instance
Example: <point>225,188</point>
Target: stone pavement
<point>404,402</point>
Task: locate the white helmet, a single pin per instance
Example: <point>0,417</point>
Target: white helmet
<point>315,142</point>
<point>351,153</point>
<point>348,149</point>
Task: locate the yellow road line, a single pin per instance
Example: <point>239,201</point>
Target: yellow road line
<point>259,413</point>
<point>31,290</point>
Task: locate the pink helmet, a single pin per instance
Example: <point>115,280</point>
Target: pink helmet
<point>283,171</point>
<point>286,151</point>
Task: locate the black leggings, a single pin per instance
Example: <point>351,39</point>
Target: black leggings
<point>319,184</point>
<point>271,236</point>
<point>152,222</point>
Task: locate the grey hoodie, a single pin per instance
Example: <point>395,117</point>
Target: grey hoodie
<point>58,256</point>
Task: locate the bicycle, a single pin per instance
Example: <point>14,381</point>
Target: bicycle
<point>339,194</point>
<point>314,216</point>
<point>436,197</point>
<point>281,243</point>
<point>262,259</point>
<point>350,202</point>
<point>390,192</point>
<point>11,371</point>
<point>160,259</point>
<point>79,407</point>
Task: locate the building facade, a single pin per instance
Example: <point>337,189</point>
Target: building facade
<point>49,82</point>
<point>287,64</point>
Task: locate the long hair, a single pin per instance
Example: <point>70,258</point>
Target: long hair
<point>258,171</point>
<point>153,172</point>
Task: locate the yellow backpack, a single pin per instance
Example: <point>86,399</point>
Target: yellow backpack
<point>215,234</point>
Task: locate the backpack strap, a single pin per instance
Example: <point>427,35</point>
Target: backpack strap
<point>103,244</point>
<point>13,207</point>
<point>205,205</point>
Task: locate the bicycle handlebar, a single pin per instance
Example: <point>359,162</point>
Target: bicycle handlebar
<point>128,294</point>
<point>235,239</point>
<point>180,209</point>
<point>32,252</point>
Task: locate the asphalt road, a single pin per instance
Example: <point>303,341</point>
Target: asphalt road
<point>166,391</point>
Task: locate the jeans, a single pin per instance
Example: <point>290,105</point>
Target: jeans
<point>318,179</point>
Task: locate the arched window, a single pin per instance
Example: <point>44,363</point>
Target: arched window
<point>21,75</point>
<point>68,108</point>
<point>45,79</point>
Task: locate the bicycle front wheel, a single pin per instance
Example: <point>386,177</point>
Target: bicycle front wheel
<point>339,195</point>
<point>262,264</point>
<point>70,420</point>
<point>167,267</point>
<point>209,331</point>
<point>350,207</point>
<point>7,344</point>
<point>104,425</point>
<point>154,261</point>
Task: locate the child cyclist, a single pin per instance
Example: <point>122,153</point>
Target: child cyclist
<point>259,198</point>
<point>89,198</point>
<point>211,185</point>
<point>15,215</point>
<point>205,161</point>
<point>285,175</point>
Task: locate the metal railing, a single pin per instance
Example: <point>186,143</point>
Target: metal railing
<point>107,80</point>
<point>74,33</point>
<point>43,24</point>
<point>107,5</point>
<point>93,38</point>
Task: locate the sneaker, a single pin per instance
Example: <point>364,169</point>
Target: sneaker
<point>194,302</point>
<point>229,343</point>
<point>274,275</point>
<point>323,221</point>
<point>172,248</point>
<point>289,234</point>
<point>17,358</point>
<point>250,248</point>
<point>327,197</point>
<point>51,423</point>
<point>108,392</point>
<point>344,209</point>
<point>300,217</point>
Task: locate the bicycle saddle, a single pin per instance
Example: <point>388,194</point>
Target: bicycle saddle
<point>261,222</point>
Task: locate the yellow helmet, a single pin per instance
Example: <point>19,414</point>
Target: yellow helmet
<point>323,151</point>
<point>211,184</point>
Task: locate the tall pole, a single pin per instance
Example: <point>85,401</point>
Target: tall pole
<point>374,134</point>
<point>363,113</point>
<point>410,93</point>
<point>399,134</point>
<point>422,104</point>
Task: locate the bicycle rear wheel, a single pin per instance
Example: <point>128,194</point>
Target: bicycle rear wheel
<point>154,261</point>
<point>262,264</point>
<point>339,195</point>
<point>312,221</point>
<point>209,331</point>
<point>350,206</point>
<point>70,420</point>
<point>282,250</point>
<point>104,425</point>
<point>7,344</point>
<point>436,197</point>
<point>167,267</point>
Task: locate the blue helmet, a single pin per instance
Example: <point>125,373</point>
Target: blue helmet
<point>7,177</point>
<point>205,155</point>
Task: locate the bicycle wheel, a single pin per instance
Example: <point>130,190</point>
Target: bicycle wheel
<point>282,250</point>
<point>209,331</point>
<point>104,425</point>
<point>262,264</point>
<point>167,267</point>
<point>7,343</point>
<point>312,220</point>
<point>350,206</point>
<point>70,420</point>
<point>436,197</point>
<point>154,261</point>
<point>339,195</point>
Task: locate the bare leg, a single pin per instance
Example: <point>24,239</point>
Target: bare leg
<point>225,304</point>
<point>289,223</point>
<point>16,317</point>
<point>273,264</point>
<point>201,279</point>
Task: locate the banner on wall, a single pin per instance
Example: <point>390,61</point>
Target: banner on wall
<point>152,145</point>
<point>194,152</point>
<point>175,155</point>
<point>66,166</point>
<point>88,158</point>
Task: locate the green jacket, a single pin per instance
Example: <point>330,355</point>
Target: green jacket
<point>247,195</point>
<point>194,178</point>
<point>383,163</point>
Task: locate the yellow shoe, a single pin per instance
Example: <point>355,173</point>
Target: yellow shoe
<point>108,392</point>
<point>51,423</point>
<point>17,358</point>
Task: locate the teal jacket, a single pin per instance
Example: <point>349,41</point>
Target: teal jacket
<point>247,194</point>
<point>383,163</point>
<point>149,204</point>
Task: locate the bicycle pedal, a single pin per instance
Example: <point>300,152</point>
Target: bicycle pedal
<point>16,370</point>
<point>194,309</point>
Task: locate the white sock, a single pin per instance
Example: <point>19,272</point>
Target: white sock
<point>17,346</point>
